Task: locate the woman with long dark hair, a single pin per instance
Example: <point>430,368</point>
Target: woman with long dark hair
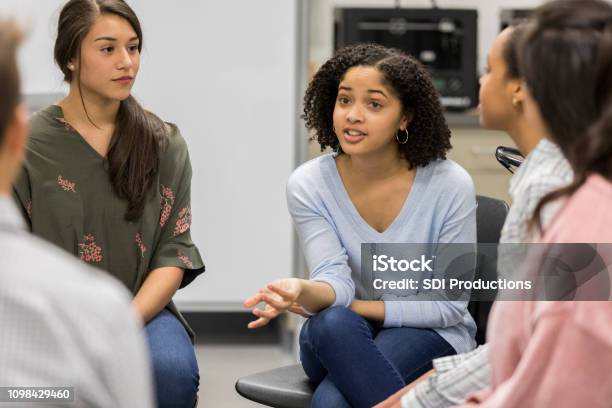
<point>110,182</point>
<point>544,169</point>
<point>559,354</point>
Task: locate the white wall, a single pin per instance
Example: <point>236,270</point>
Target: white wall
<point>226,73</point>
<point>39,74</point>
<point>321,20</point>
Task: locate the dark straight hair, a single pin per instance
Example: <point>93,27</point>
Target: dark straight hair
<point>510,50</point>
<point>566,60</point>
<point>10,36</point>
<point>133,155</point>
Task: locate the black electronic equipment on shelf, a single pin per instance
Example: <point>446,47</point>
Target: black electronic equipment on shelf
<point>444,40</point>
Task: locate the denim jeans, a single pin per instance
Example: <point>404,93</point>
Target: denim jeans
<point>175,368</point>
<point>354,363</point>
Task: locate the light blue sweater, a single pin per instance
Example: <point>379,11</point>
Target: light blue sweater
<point>440,208</point>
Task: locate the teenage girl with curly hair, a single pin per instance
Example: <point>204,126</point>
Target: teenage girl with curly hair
<point>388,181</point>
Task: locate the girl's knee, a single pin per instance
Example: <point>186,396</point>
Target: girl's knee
<point>335,321</point>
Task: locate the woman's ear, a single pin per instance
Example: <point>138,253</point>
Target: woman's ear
<point>518,93</point>
<point>71,64</point>
<point>406,119</point>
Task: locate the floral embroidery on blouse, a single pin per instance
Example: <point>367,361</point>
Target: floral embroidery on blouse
<point>89,251</point>
<point>28,208</point>
<point>140,244</point>
<point>66,125</point>
<point>166,201</point>
<point>184,258</point>
<point>184,221</point>
<point>65,184</point>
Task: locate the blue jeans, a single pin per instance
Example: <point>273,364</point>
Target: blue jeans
<point>354,363</point>
<point>175,368</point>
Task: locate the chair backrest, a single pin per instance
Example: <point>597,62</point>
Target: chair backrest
<point>490,217</point>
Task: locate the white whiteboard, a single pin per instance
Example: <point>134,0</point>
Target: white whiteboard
<point>227,73</point>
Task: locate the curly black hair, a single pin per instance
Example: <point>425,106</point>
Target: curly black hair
<point>429,135</point>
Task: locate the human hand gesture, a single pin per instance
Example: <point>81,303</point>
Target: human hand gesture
<point>279,296</point>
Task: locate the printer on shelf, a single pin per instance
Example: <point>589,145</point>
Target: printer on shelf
<point>444,40</point>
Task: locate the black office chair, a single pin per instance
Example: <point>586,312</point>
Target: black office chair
<point>289,387</point>
<point>284,387</point>
<point>490,217</point>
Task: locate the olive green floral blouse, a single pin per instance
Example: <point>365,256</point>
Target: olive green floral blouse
<point>66,194</point>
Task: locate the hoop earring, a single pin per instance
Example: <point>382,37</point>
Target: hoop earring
<point>405,140</point>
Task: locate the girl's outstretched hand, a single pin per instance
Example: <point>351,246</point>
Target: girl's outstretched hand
<point>278,297</point>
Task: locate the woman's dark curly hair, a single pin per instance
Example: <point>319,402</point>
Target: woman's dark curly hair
<point>429,135</point>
